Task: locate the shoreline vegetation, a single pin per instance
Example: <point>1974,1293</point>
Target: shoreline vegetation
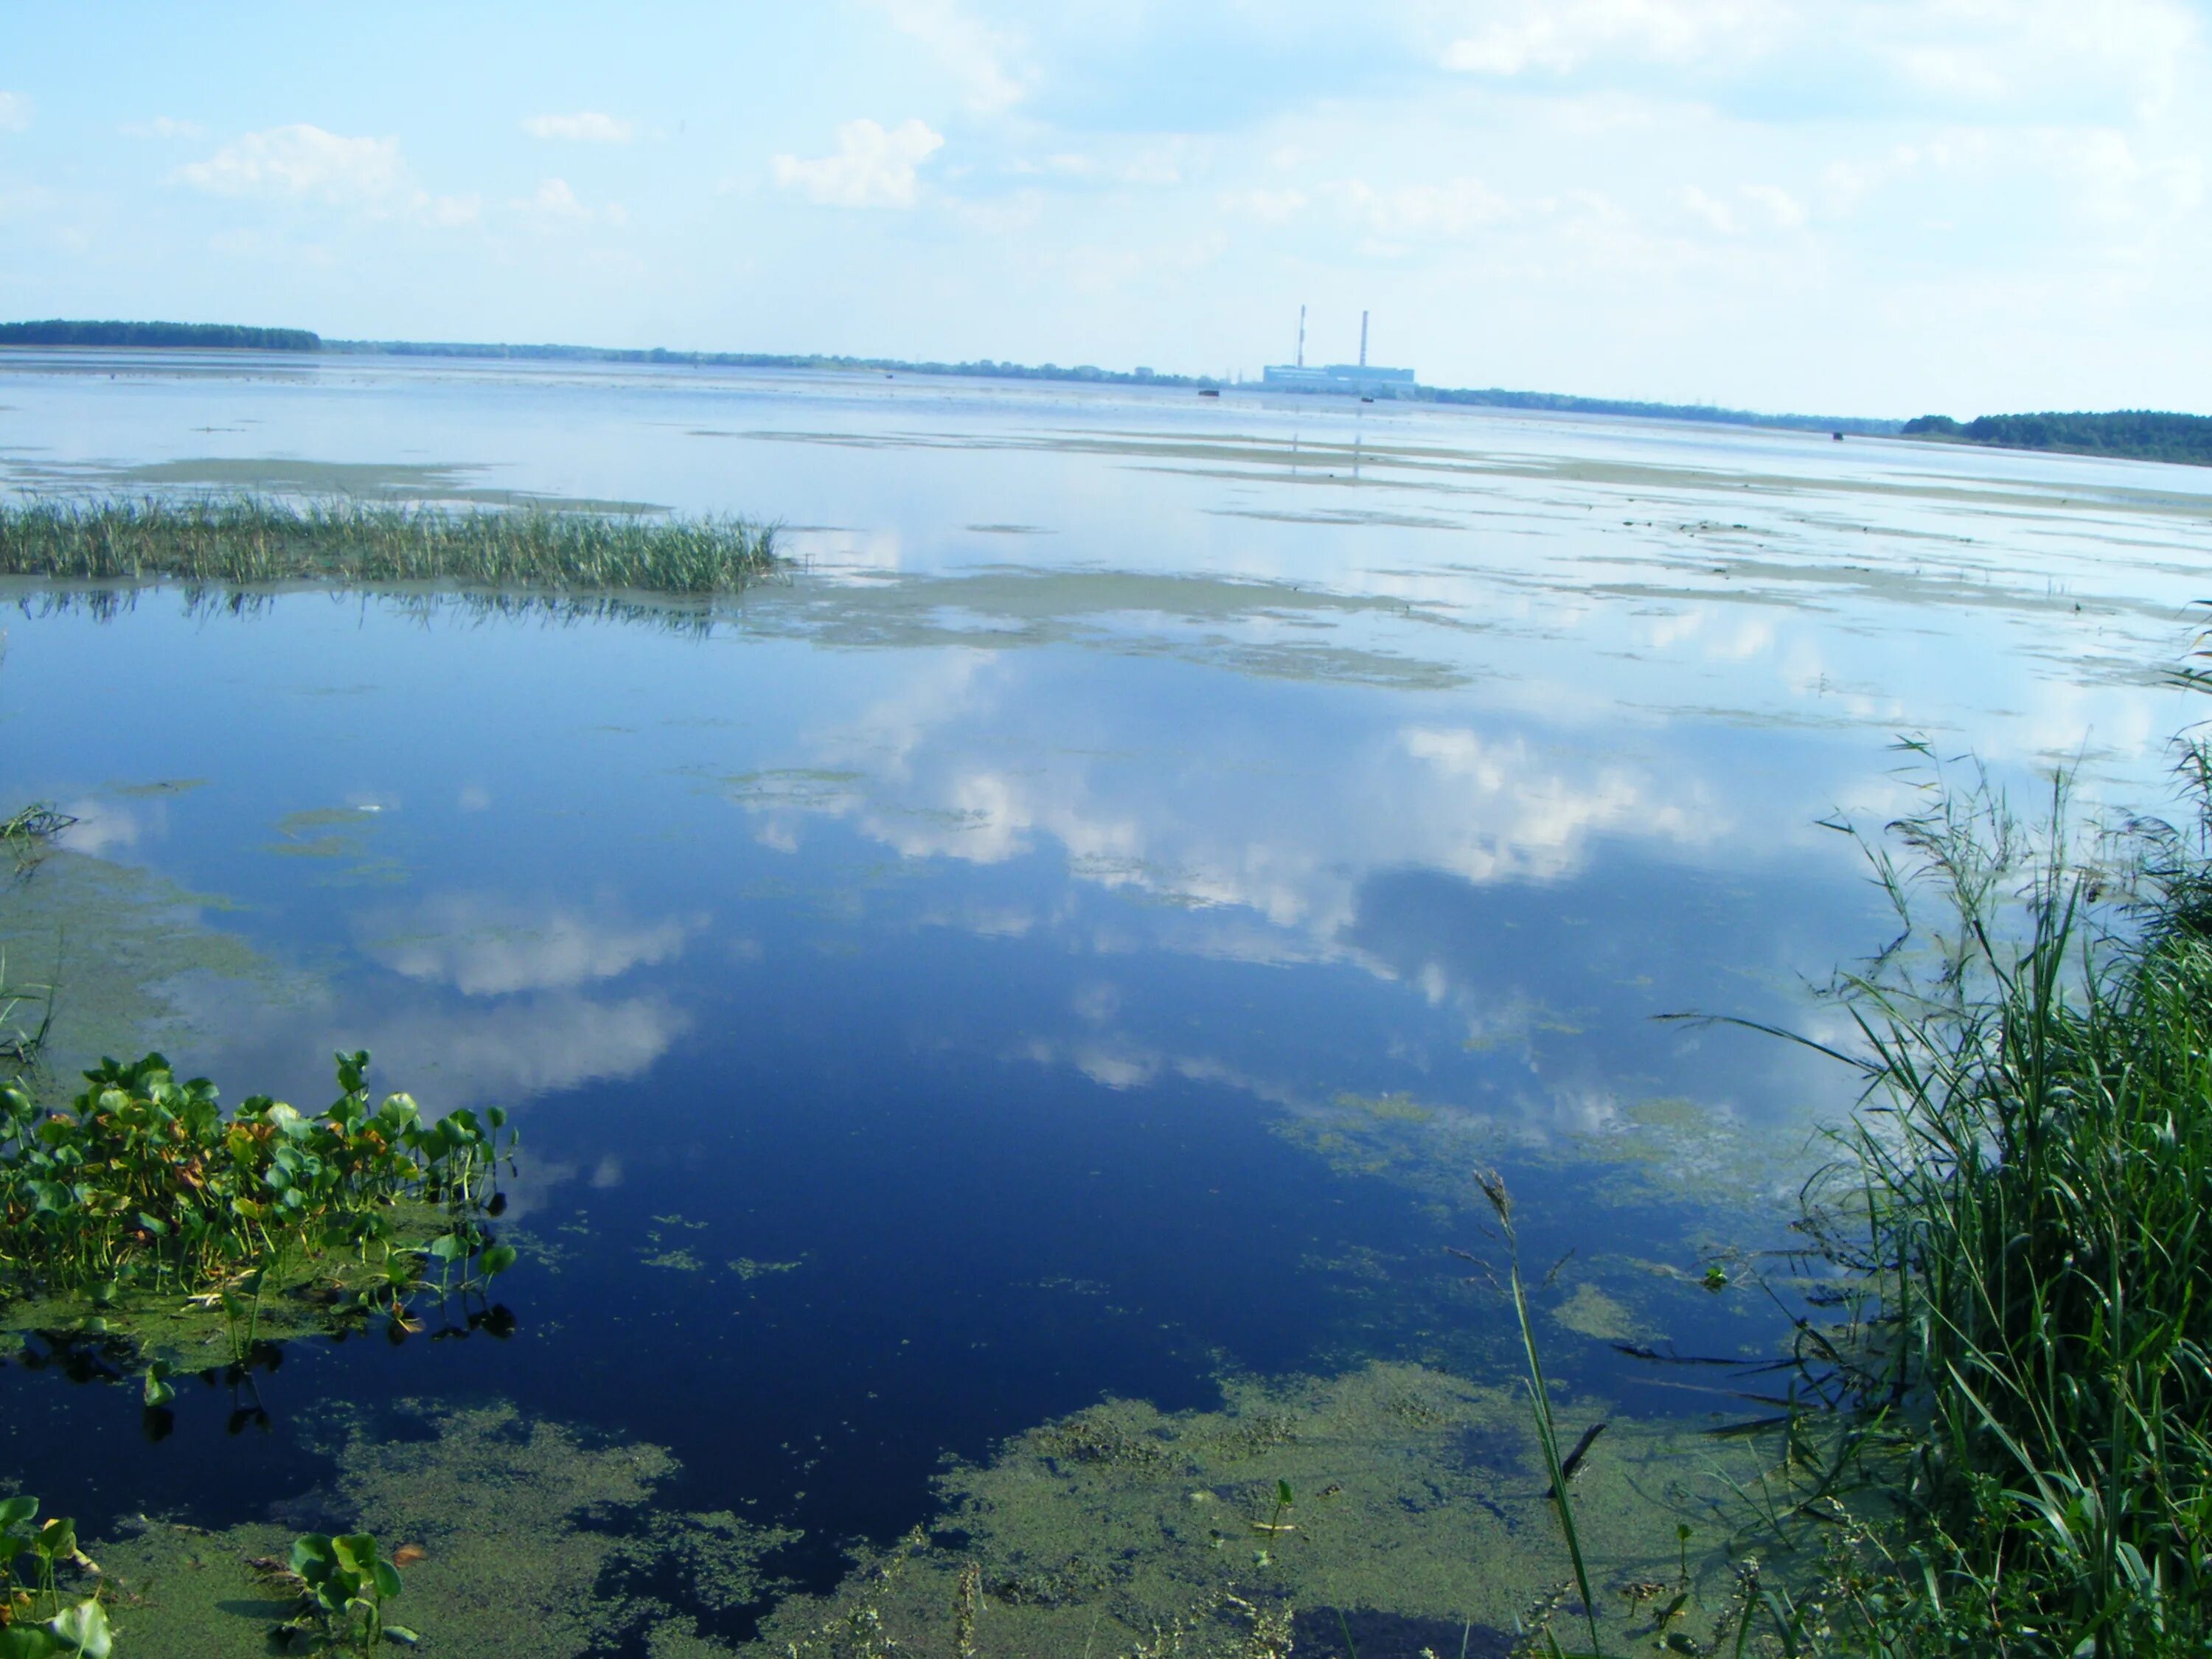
<point>2139,434</point>
<point>2018,1216</point>
<point>1999,1441</point>
<point>245,541</point>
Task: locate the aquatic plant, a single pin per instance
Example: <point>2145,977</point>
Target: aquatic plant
<point>26,834</point>
<point>2004,1443</point>
<point>37,1620</point>
<point>2025,1194</point>
<point>245,540</point>
<point>146,1186</point>
<point>343,1585</point>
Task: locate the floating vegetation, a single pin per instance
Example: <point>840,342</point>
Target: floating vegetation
<point>134,961</point>
<point>145,1191</point>
<point>1398,1502</point>
<point>249,541</point>
<point>518,1538</point>
<point>37,1619</point>
<point>746,1268</point>
<point>343,1587</point>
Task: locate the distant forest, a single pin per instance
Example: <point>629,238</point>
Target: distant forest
<point>2142,434</point>
<point>232,336</point>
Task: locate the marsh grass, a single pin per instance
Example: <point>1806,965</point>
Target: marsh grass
<point>2025,1191</point>
<point>2017,1454</point>
<point>247,541</point>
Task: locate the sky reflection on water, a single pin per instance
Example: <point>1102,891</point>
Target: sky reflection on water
<point>1093,917</point>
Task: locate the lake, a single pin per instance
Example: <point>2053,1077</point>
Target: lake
<point>1004,1021</point>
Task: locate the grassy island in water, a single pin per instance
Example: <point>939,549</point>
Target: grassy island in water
<point>244,541</point>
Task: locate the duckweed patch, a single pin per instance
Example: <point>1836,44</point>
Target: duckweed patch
<point>129,953</point>
<point>523,1539</point>
<point>1415,1502</point>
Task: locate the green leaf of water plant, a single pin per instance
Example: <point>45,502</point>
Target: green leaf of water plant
<point>83,1630</point>
<point>57,1539</point>
<point>1283,1493</point>
<point>159,1391</point>
<point>14,1512</point>
<point>497,1260</point>
<point>401,1635</point>
<point>29,1641</point>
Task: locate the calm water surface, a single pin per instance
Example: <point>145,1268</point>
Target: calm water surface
<point>1077,935</point>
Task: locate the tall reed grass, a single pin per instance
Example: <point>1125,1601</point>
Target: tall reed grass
<point>2019,1213</point>
<point>246,541</point>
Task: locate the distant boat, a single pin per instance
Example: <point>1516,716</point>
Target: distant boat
<point>1208,391</point>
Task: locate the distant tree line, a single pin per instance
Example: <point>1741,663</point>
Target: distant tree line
<point>1498,397</point>
<point>2144,434</point>
<point>58,333</point>
<point>984,369</point>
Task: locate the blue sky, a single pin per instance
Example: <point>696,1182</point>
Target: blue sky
<point>1861,206</point>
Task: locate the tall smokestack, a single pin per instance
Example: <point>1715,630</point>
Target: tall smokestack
<point>1301,336</point>
<point>1363,339</point>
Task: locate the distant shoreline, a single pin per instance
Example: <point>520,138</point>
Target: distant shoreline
<point>154,336</point>
<point>2126,434</point>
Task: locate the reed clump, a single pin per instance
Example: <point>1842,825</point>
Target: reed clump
<point>2029,1190</point>
<point>2022,1221</point>
<point>247,541</point>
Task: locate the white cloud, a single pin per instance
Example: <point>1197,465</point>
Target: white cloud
<point>872,168</point>
<point>300,163</point>
<point>303,160</point>
<point>1787,212</point>
<point>481,948</point>
<point>973,53</point>
<point>1270,207</point>
<point>1456,207</point>
<point>15,112</point>
<point>586,127</point>
<point>162,126</point>
<point>448,212</point>
<point>1559,36</point>
<point>554,200</point>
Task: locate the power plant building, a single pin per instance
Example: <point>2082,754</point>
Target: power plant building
<point>1359,380</point>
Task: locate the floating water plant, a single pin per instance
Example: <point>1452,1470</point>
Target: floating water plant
<point>146,1188</point>
<point>248,541</point>
<point>343,1586</point>
<point>37,1620</point>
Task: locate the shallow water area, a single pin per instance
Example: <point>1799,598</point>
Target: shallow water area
<point>1070,940</point>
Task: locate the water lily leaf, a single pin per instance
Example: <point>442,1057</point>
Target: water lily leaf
<point>29,1641</point>
<point>402,1636</point>
<point>14,1512</point>
<point>83,1630</point>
